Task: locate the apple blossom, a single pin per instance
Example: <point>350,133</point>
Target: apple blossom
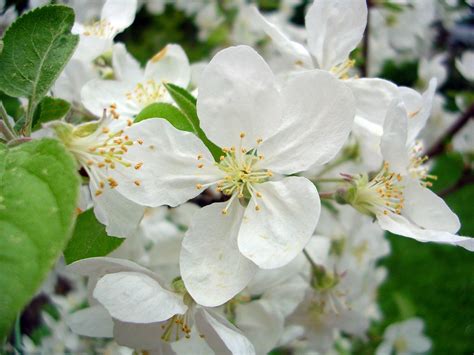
<point>265,132</point>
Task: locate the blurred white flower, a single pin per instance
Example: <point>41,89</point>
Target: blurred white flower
<point>404,338</point>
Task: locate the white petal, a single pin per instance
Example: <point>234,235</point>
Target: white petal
<point>126,68</point>
<point>372,97</point>
<point>318,113</point>
<point>137,298</point>
<point>428,210</point>
<point>100,266</point>
<point>287,296</point>
<point>275,234</point>
<point>98,95</point>
<point>394,138</point>
<point>221,335</point>
<point>398,224</point>
<point>120,215</point>
<point>90,47</point>
<point>119,13</point>
<point>267,278</point>
<point>237,93</point>
<point>93,322</point>
<point>170,165</point>
<point>141,336</point>
<point>170,65</point>
<point>212,267</point>
<point>261,323</point>
<point>418,119</point>
<point>335,27</point>
<point>296,52</point>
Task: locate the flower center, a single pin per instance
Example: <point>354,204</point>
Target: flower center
<point>103,149</point>
<point>418,168</point>
<point>382,194</point>
<point>101,28</point>
<point>241,173</point>
<point>342,70</point>
<point>146,93</point>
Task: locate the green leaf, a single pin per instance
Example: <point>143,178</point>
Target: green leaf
<point>39,187</point>
<point>168,112</point>
<point>89,239</point>
<point>50,109</point>
<point>187,103</point>
<point>12,105</point>
<point>37,46</point>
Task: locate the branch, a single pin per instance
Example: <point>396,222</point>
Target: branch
<point>466,179</point>
<point>438,147</point>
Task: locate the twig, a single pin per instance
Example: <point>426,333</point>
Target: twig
<point>438,147</point>
<point>466,179</point>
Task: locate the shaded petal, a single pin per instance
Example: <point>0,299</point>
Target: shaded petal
<point>119,13</point>
<point>170,165</point>
<point>420,115</point>
<point>296,52</point>
<point>428,210</point>
<point>120,215</point>
<point>372,98</point>
<point>90,47</point>
<point>261,323</point>
<point>94,322</point>
<point>400,225</point>
<point>285,297</point>
<point>137,298</point>
<point>141,336</point>
<point>275,234</point>
<point>335,27</point>
<point>171,65</point>
<point>221,335</point>
<point>100,266</point>
<point>394,138</point>
<point>98,95</point>
<point>318,113</point>
<point>237,93</point>
<point>126,68</point>
<point>212,267</point>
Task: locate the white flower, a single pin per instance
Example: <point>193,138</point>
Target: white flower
<point>145,315</point>
<point>434,67</point>
<point>404,338</point>
<point>465,65</point>
<point>334,29</point>
<point>97,37</point>
<point>100,148</point>
<point>265,132</point>
<point>398,196</point>
<point>261,310</point>
<point>134,89</point>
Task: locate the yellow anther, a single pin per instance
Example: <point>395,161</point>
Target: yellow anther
<point>138,165</point>
<point>199,157</point>
<point>199,186</point>
<point>242,134</point>
<point>200,166</point>
<point>137,182</point>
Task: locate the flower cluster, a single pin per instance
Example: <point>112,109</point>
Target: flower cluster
<point>253,189</point>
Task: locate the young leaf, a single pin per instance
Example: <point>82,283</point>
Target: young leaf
<point>50,109</point>
<point>37,46</point>
<point>168,112</point>
<point>39,187</point>
<point>187,103</point>
<point>89,239</point>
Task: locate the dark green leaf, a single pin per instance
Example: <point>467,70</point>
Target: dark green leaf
<point>39,187</point>
<point>187,103</point>
<point>37,46</point>
<point>50,109</point>
<point>89,239</point>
